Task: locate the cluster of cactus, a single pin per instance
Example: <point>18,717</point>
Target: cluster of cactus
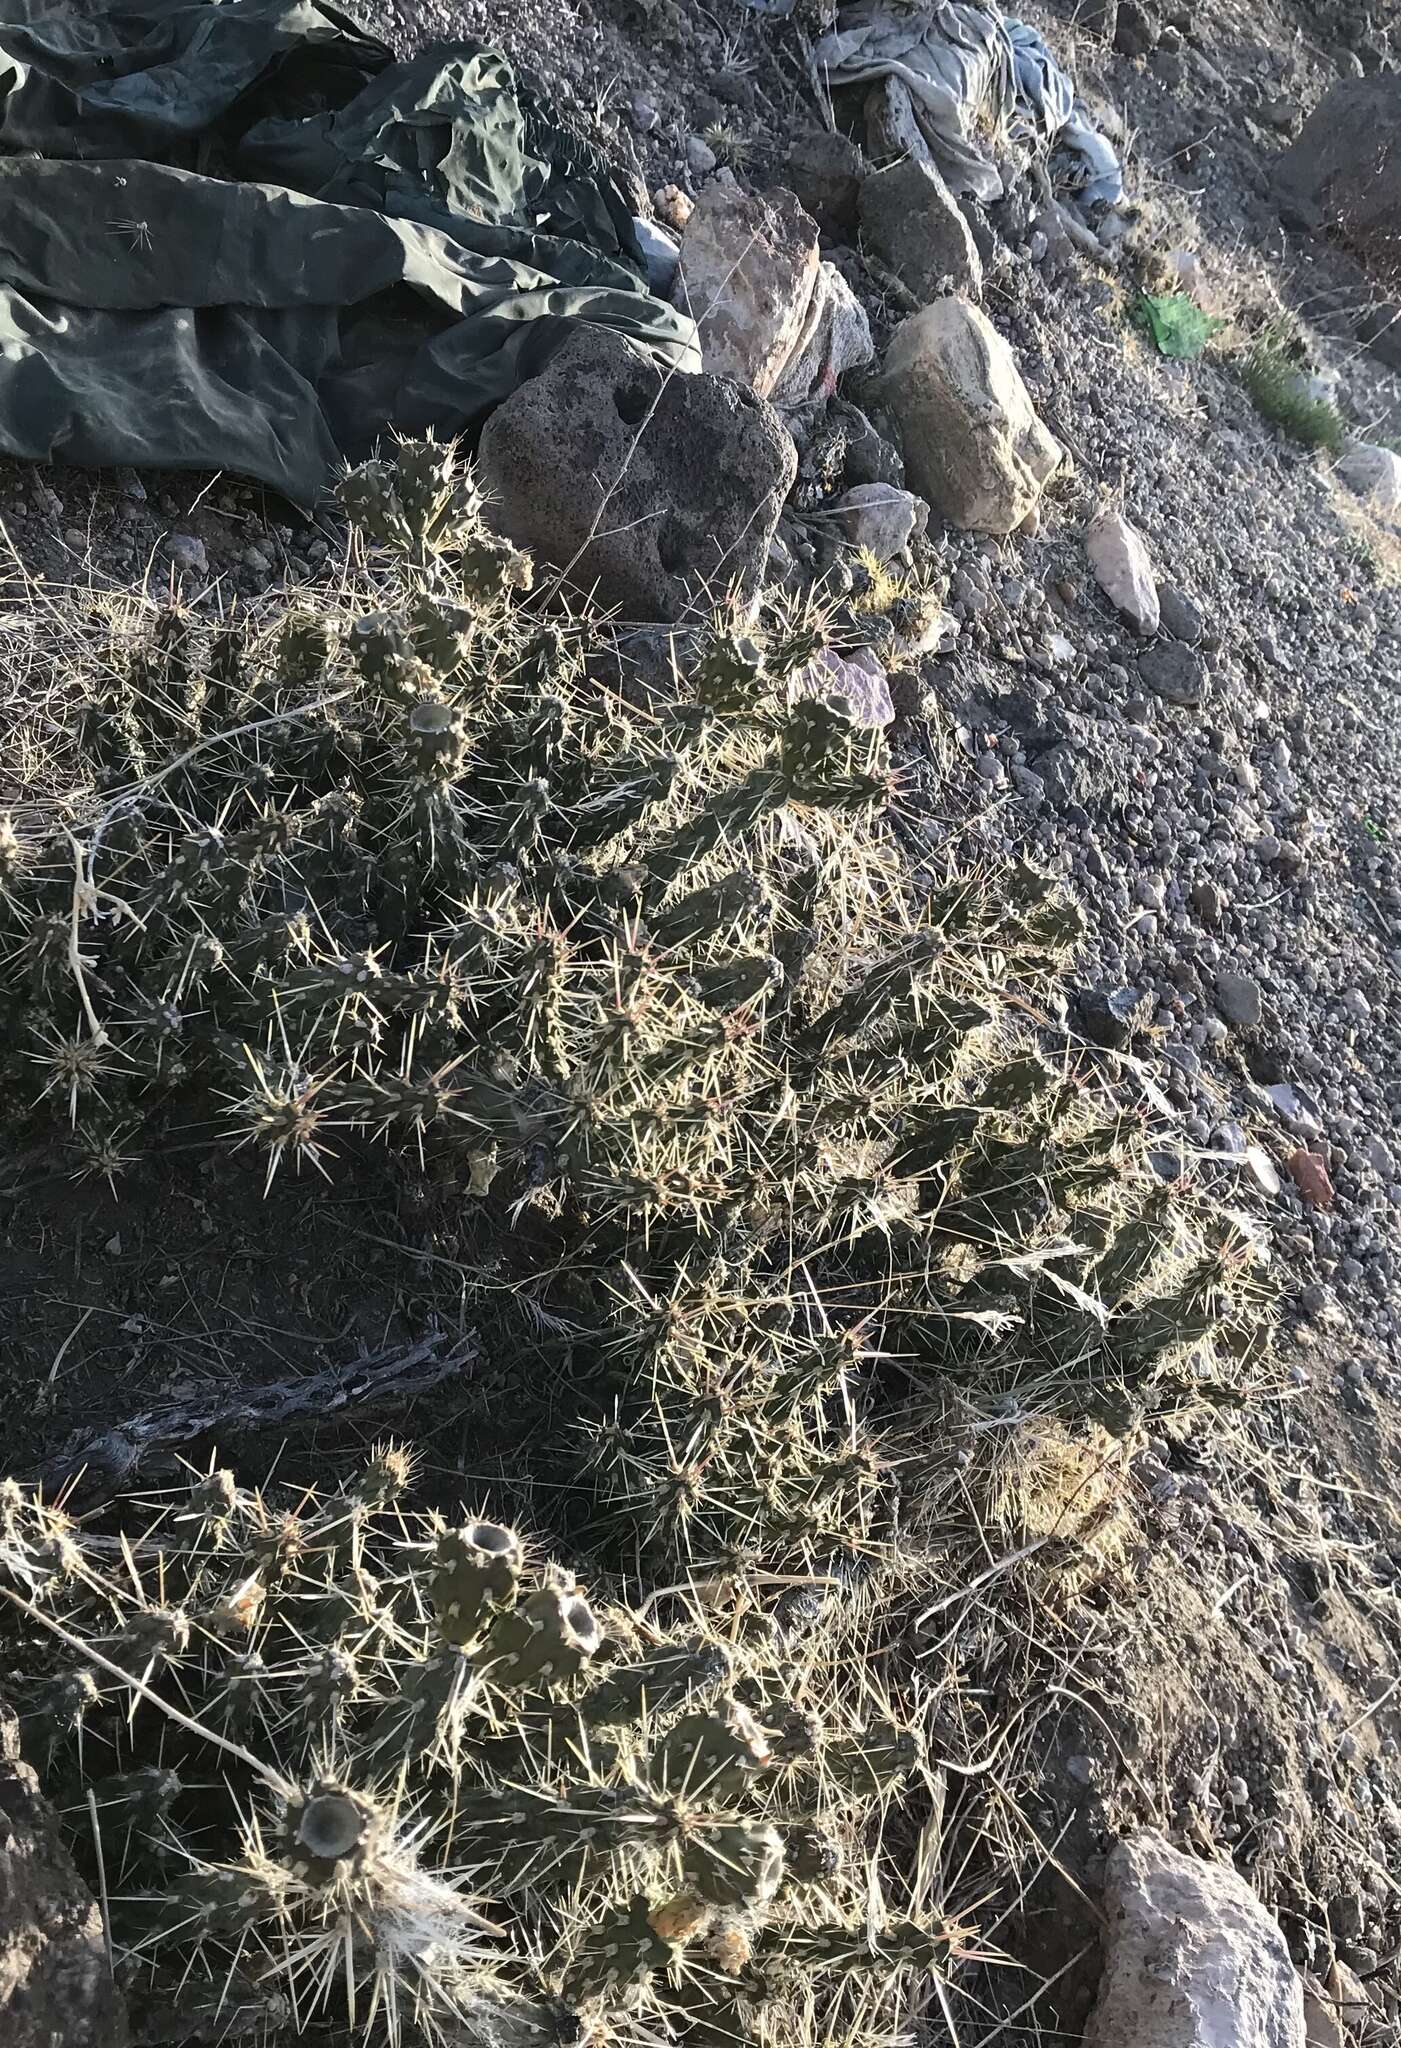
<point>332,1760</point>
<point>734,1093</point>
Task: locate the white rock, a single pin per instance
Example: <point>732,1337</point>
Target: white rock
<point>973,444</point>
<point>1123,568</point>
<point>749,268</point>
<point>1192,1959</point>
<point>879,517</point>
<point>1372,474</point>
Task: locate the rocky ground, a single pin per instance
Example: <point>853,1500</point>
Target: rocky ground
<point>1223,799</point>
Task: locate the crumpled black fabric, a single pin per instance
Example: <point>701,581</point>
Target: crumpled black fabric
<point>242,236</point>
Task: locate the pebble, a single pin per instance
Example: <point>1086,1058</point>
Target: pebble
<point>701,159</point>
<point>1173,671</point>
<point>1239,1000</point>
<point>188,553</point>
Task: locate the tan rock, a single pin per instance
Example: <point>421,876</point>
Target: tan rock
<point>749,267</point>
<point>1123,568</point>
<point>973,444</point>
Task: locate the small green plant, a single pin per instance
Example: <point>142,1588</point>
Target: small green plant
<point>1276,376</point>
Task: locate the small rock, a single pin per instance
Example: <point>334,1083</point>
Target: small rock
<point>856,679</point>
<point>1309,1172</point>
<point>673,207</point>
<point>825,169</point>
<point>188,553</point>
<point>749,268</point>
<point>1372,474</point>
<point>644,116</point>
<point>1179,616</point>
<point>1119,558</point>
<point>1113,1016</point>
<point>870,458</point>
<point>1191,1957</point>
<point>973,444</point>
<point>835,337</point>
<point>1173,671</point>
<point>879,518</point>
<point>1239,1001</point>
<point>916,226</point>
<point>1209,902</point>
<point>701,159</point>
<point>1135,32</point>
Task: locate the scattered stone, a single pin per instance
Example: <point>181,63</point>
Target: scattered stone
<point>188,553</point>
<point>869,458</point>
<point>1192,1959</point>
<point>1113,1016</point>
<point>825,169</point>
<point>973,444</point>
<point>1209,902</point>
<point>1309,1172</point>
<point>858,680</point>
<point>1123,569</point>
<point>1135,32</point>
<point>644,116</point>
<point>916,226</point>
<point>673,207</point>
<point>55,1983</point>
<point>1178,615</point>
<point>749,267</point>
<point>893,132</point>
<point>1372,474</point>
<point>663,487</point>
<point>1239,1000</point>
<point>701,159</point>
<point>1173,671</point>
<point>880,518</point>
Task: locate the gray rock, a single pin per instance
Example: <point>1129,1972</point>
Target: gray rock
<point>857,681</point>
<point>1179,616</point>
<point>1239,1001</point>
<point>825,169</point>
<point>1372,474</point>
<point>1173,671</point>
<point>663,488</point>
<point>1135,31</point>
<point>916,226</point>
<point>188,553</point>
<point>879,517</point>
<point>869,458</point>
<point>1191,1957</point>
<point>56,1990</point>
<point>1119,557</point>
<point>1113,1016</point>
<point>893,132</point>
<point>1209,901</point>
<point>701,159</point>
<point>973,444</point>
<point>749,268</point>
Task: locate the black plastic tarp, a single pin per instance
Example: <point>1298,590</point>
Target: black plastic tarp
<point>242,236</point>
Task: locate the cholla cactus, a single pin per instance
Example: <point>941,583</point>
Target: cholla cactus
<point>360,1767</point>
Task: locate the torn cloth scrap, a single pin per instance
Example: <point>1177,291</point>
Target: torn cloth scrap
<point>973,74</point>
<point>242,236</point>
